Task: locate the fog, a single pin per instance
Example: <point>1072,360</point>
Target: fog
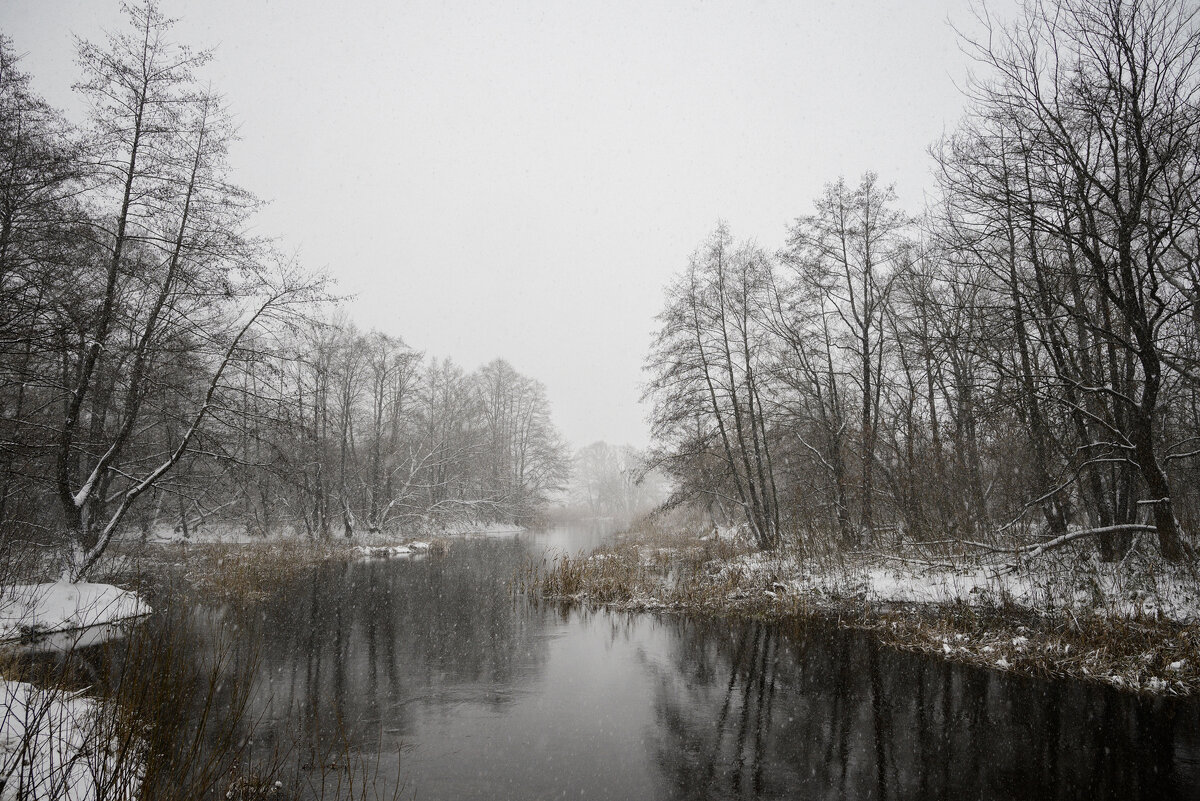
<point>520,180</point>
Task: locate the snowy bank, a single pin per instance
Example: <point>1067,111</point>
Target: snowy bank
<point>227,533</point>
<point>389,551</point>
<point>478,529</point>
<point>1119,591</point>
<point>60,746</point>
<point>28,610</point>
<point>1134,625</point>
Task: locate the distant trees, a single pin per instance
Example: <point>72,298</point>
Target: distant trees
<point>367,435</point>
<point>526,460</point>
<point>617,482</point>
<point>159,363</point>
<point>1024,356</point>
<point>414,440</point>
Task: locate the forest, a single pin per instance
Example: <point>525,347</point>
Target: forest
<point>1013,368</point>
<point>163,365</point>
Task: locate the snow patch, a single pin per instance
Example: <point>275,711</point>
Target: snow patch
<point>1165,592</point>
<point>31,609</point>
<point>382,551</point>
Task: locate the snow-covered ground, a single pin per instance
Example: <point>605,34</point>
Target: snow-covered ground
<point>389,551</point>
<point>1134,590</point>
<point>32,609</point>
<point>58,746</point>
<point>53,744</point>
<point>1132,624</point>
<point>377,547</point>
<point>482,529</point>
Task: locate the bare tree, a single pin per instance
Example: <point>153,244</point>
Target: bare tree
<point>1102,99</point>
<point>845,252</point>
<point>708,372</point>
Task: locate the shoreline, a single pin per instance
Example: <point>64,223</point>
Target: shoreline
<point>1132,648</point>
<point>225,565</point>
<point>1045,650</point>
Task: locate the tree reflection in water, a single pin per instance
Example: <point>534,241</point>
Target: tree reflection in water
<point>349,655</point>
<point>761,712</point>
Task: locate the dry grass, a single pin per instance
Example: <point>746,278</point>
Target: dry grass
<point>236,572</point>
<point>239,572</point>
<point>650,569</point>
<point>647,568</point>
<point>1154,656</point>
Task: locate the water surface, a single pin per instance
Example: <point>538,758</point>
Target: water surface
<point>446,685</point>
<point>469,692</point>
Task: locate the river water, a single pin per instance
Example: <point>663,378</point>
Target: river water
<point>434,676</point>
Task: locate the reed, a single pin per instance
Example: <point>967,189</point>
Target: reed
<point>1075,617</point>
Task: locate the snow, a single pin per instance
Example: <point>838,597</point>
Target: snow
<point>415,548</point>
<point>382,551</point>
<point>364,544</point>
<point>57,745</point>
<point>218,532</point>
<point>30,609</point>
<point>379,547</point>
<point>1156,591</point>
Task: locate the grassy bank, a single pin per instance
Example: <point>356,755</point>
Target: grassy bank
<point>243,570</point>
<point>1132,625</point>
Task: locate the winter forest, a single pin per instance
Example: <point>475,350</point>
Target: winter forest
<point>162,363</point>
<point>913,506</point>
<point>1022,356</point>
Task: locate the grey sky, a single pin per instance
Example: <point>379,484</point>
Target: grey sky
<point>521,179</point>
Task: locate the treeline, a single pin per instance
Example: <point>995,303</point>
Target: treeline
<point>613,481</point>
<point>157,361</point>
<point>1020,361</point>
<point>347,432</point>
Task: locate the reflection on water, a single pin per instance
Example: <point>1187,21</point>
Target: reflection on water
<point>480,695</point>
<point>432,668</point>
<point>367,647</point>
<point>70,640</point>
<point>763,712</point>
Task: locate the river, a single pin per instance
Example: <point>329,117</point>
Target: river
<point>444,685</point>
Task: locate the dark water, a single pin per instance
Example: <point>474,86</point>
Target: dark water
<point>438,677</point>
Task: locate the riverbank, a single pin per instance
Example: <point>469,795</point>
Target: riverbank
<point>224,567</point>
<point>1134,625</point>
<point>61,740</point>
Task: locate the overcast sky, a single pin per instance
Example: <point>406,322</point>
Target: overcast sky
<point>521,179</point>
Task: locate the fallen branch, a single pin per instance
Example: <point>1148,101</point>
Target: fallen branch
<point>1041,548</point>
